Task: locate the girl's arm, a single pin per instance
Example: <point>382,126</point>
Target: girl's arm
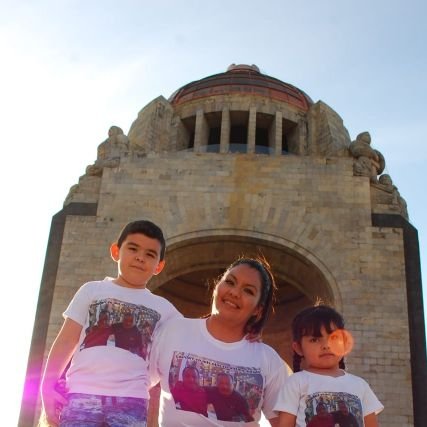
<point>288,420</point>
<point>371,420</point>
<point>274,422</point>
<point>59,356</point>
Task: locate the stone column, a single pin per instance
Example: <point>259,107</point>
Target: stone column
<point>302,137</point>
<point>251,130</point>
<point>275,134</point>
<point>224,144</point>
<point>201,133</point>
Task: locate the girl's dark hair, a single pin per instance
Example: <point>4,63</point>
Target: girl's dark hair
<point>256,324</point>
<point>309,322</point>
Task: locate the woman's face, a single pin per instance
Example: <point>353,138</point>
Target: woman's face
<point>237,295</point>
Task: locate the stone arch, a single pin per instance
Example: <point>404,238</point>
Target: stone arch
<point>195,260</point>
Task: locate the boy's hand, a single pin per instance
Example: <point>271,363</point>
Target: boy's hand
<point>61,387</point>
<point>53,402</point>
<point>60,354</point>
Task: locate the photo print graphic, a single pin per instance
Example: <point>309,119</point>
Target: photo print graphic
<point>120,324</point>
<point>215,389</point>
<point>333,409</point>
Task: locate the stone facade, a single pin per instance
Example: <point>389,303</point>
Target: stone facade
<point>289,191</point>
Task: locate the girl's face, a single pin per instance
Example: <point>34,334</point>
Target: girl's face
<point>319,352</point>
<point>237,295</point>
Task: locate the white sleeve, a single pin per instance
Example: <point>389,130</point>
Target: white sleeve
<point>78,308</point>
<point>288,398</point>
<point>370,402</point>
<point>279,371</point>
<point>173,313</point>
<point>159,336</point>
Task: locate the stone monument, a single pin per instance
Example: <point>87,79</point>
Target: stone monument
<point>243,163</point>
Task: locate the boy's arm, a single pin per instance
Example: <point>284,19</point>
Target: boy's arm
<point>286,420</point>
<point>371,420</point>
<point>59,356</point>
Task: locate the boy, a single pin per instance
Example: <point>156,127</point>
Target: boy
<point>104,335</point>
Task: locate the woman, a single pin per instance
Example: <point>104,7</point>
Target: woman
<point>240,377</point>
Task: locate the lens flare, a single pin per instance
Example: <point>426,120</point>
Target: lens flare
<point>341,342</point>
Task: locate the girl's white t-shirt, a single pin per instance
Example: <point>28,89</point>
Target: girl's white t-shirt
<point>347,396</point>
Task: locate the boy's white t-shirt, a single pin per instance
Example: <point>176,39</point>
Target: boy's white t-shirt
<point>113,351</point>
<point>257,371</point>
<point>303,391</point>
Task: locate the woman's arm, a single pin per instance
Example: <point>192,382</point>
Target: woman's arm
<point>371,420</point>
<point>59,356</point>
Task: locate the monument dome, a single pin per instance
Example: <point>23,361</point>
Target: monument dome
<point>242,79</point>
<point>240,110</point>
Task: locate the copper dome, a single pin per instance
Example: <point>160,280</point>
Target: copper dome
<point>244,80</point>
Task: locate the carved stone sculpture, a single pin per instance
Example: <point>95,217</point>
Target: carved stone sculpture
<point>73,190</point>
<point>385,183</point>
<point>110,151</point>
<point>368,161</point>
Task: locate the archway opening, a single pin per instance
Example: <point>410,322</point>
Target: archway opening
<point>194,264</point>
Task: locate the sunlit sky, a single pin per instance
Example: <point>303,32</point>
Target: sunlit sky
<point>71,69</point>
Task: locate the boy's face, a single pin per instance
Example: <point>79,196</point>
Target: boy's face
<point>138,260</point>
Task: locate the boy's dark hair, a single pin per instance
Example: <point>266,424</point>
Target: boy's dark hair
<point>256,324</point>
<point>147,228</point>
<point>309,322</point>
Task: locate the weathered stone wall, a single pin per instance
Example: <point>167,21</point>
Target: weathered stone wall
<point>152,128</point>
<point>327,135</point>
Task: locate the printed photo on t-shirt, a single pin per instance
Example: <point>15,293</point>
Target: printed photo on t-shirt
<point>333,409</point>
<point>215,389</point>
<point>120,324</point>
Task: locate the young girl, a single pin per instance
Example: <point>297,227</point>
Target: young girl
<point>323,394</point>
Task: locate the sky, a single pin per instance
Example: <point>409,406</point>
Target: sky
<point>71,69</point>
